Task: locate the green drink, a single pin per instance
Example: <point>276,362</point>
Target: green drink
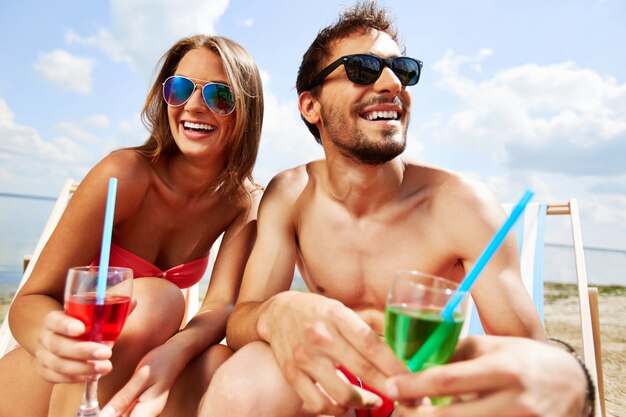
<point>413,313</point>
<point>407,328</point>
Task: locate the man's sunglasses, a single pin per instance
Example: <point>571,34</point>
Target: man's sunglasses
<point>177,90</point>
<point>365,69</point>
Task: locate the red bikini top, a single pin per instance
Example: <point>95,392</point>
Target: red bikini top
<point>184,275</point>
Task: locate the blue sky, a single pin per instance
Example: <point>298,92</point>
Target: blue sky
<point>515,94</point>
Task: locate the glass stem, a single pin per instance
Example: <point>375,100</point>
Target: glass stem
<point>89,406</point>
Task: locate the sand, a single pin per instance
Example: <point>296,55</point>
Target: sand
<point>562,321</point>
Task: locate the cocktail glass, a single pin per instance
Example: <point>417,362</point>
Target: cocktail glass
<point>103,319</point>
<point>413,312</point>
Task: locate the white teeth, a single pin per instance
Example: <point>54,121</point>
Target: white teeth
<point>382,115</point>
<point>198,126</point>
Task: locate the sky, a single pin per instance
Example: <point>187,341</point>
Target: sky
<point>515,94</point>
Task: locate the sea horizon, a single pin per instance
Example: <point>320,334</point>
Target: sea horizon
<point>604,266</point>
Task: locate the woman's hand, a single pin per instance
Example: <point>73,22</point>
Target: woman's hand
<point>147,391</point>
<point>61,358</point>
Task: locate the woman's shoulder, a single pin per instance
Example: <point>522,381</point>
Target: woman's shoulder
<point>126,165</point>
<point>126,160</point>
<point>132,170</point>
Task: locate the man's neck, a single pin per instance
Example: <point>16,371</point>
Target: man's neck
<point>361,188</point>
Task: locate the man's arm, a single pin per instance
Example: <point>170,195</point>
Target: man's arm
<point>473,217</point>
<point>270,267</point>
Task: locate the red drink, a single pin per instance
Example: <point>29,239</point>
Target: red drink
<point>103,322</point>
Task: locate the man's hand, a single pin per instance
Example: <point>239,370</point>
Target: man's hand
<point>499,377</point>
<point>310,336</point>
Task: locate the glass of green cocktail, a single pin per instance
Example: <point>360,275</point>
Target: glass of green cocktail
<point>413,313</point>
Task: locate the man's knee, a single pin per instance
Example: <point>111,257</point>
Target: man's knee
<point>246,370</point>
<point>246,384</point>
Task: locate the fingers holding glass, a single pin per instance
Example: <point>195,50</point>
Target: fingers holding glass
<point>101,301</point>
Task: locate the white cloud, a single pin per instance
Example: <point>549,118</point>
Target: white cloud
<point>6,115</point>
<point>130,132</point>
<point>67,71</point>
<point>100,121</point>
<point>74,132</point>
<point>557,129</point>
<point>31,161</point>
<point>558,118</point>
<point>141,31</point>
<point>285,141</point>
<point>414,148</point>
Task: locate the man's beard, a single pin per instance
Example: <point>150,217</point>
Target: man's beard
<point>354,144</point>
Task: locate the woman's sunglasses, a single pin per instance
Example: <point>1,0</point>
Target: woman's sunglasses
<point>366,69</point>
<point>177,90</point>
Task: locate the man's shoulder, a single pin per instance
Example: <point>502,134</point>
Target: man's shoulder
<point>290,183</point>
<point>449,188</point>
<point>464,198</point>
<point>293,179</point>
<point>290,175</point>
<point>424,176</point>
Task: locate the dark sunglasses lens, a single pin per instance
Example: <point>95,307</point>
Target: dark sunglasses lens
<point>407,70</point>
<point>219,98</point>
<point>362,69</point>
<point>177,90</point>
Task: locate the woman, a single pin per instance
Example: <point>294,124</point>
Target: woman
<point>177,193</point>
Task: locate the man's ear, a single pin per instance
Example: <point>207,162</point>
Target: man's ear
<point>309,107</point>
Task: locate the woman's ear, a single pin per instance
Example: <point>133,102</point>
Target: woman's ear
<point>309,107</point>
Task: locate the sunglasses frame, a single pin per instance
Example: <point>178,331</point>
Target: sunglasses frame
<point>202,87</point>
<point>389,62</point>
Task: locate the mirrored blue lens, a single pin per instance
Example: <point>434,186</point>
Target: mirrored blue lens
<point>177,90</point>
<point>219,98</point>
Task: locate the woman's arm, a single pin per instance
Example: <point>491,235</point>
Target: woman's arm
<point>75,241</point>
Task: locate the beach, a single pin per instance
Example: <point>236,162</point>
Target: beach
<point>562,321</point>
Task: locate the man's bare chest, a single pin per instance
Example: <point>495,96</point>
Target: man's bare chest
<point>356,264</point>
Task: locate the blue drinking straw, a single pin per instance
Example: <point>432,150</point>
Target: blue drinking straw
<point>105,250</point>
<point>436,338</point>
<point>493,246</point>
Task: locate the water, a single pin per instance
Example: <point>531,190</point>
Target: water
<point>604,266</point>
<point>10,274</point>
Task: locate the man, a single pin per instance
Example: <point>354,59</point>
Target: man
<point>349,222</point>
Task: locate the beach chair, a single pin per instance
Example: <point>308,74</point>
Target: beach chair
<point>529,231</point>
<point>7,342</point>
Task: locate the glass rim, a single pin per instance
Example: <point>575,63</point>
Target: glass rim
<point>451,286</point>
<point>93,268</point>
